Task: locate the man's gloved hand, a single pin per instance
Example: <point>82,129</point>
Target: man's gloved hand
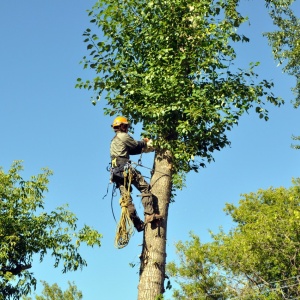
<point>150,143</point>
<point>149,146</point>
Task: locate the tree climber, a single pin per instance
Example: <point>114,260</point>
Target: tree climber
<point>121,147</point>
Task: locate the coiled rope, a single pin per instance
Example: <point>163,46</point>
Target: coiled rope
<point>125,228</point>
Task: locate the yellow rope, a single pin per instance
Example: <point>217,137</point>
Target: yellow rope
<point>125,227</point>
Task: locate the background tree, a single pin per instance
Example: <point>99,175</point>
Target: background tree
<point>169,65</point>
<point>26,229</point>
<point>258,259</point>
<point>196,275</point>
<point>54,292</point>
<point>296,138</point>
<point>285,40</point>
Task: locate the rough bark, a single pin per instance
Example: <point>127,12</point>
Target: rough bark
<point>153,257</point>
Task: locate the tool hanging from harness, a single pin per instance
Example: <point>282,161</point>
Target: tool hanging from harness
<point>117,167</point>
<point>123,174</point>
<point>125,228</point>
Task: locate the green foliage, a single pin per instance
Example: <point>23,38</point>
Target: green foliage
<point>26,229</point>
<point>54,292</point>
<point>285,40</point>
<point>258,259</point>
<point>170,66</point>
<point>197,276</point>
<point>296,138</point>
<point>273,215</point>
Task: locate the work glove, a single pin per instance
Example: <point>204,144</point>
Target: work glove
<point>149,146</point>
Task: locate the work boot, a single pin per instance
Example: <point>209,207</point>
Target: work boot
<point>147,201</point>
<point>138,224</point>
<point>152,217</point>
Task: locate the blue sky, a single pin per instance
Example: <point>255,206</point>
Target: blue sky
<point>46,122</point>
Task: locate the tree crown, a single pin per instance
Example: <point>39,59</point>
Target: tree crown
<point>170,66</point>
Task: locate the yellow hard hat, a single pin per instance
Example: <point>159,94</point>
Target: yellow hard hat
<point>119,120</point>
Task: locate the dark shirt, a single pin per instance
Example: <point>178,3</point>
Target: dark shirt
<point>123,145</point>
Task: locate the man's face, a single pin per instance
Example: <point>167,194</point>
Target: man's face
<point>124,128</point>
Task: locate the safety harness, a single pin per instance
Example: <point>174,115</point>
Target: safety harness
<point>125,226</point>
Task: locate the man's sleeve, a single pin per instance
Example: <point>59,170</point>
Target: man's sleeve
<point>134,147</point>
<point>138,149</point>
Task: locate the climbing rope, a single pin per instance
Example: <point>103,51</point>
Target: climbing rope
<point>139,164</point>
<point>125,228</point>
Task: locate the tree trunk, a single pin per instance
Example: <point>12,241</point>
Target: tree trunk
<point>153,257</point>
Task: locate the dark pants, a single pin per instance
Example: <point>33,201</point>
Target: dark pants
<point>139,182</point>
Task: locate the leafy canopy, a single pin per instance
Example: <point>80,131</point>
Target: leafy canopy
<point>170,66</point>
<point>54,292</point>
<point>285,40</point>
<point>27,229</point>
<point>258,259</point>
<point>198,278</point>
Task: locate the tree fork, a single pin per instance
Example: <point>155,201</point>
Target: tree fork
<point>153,257</point>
